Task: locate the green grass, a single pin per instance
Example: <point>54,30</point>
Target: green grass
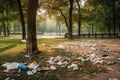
<point>10,37</point>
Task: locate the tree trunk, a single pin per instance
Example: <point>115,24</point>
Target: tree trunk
<point>66,22</point>
<point>58,25</point>
<point>70,19</point>
<point>114,16</point>
<point>59,29</point>
<point>0,30</point>
<point>7,27</point>
<point>4,28</point>
<point>22,19</point>
<point>92,29</point>
<point>14,29</point>
<point>109,30</point>
<point>79,18</point>
<point>32,48</point>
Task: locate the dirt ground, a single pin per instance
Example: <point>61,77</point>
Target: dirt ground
<point>107,47</point>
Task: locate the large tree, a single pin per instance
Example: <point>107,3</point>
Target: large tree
<point>31,29</point>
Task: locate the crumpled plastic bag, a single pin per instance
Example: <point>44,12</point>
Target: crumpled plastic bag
<point>9,66</point>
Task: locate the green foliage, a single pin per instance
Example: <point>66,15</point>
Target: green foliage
<point>102,12</point>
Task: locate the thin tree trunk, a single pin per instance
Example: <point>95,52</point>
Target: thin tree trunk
<point>119,28</point>
<point>0,30</point>
<point>59,29</point>
<point>79,18</point>
<point>114,16</point>
<point>58,25</point>
<point>22,19</point>
<point>4,28</point>
<point>66,22</point>
<point>92,29</point>
<point>31,30</point>
<point>14,29</point>
<point>109,29</point>
<point>70,19</point>
<point>7,27</point>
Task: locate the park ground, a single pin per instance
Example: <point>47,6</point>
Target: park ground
<point>13,50</point>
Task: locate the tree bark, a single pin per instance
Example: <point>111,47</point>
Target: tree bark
<point>79,18</point>
<point>92,27</point>
<point>109,30</point>
<point>32,48</point>
<point>114,16</point>
<point>0,29</point>
<point>59,29</point>
<point>70,19</point>
<point>7,27</point>
<point>22,19</point>
<point>4,28</point>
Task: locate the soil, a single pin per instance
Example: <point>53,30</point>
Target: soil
<point>99,47</point>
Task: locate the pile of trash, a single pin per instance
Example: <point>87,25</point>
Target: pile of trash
<point>73,61</point>
<point>31,68</point>
<point>70,61</point>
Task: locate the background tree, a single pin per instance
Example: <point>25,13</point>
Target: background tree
<point>79,16</point>
<point>70,18</point>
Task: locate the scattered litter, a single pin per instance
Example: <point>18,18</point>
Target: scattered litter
<point>39,68</point>
<point>29,73</point>
<point>43,44</point>
<point>34,70</point>
<point>53,68</point>
<point>50,61</point>
<point>33,65</point>
<point>8,78</point>
<point>110,69</point>
<point>10,66</point>
<point>22,67</point>
<point>60,63</point>
<point>73,66</point>
<point>113,79</point>
<point>27,56</point>
<point>112,63</point>
<point>24,41</point>
<point>59,47</point>
<point>46,68</point>
<point>107,50</point>
<point>93,48</point>
<point>118,58</point>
